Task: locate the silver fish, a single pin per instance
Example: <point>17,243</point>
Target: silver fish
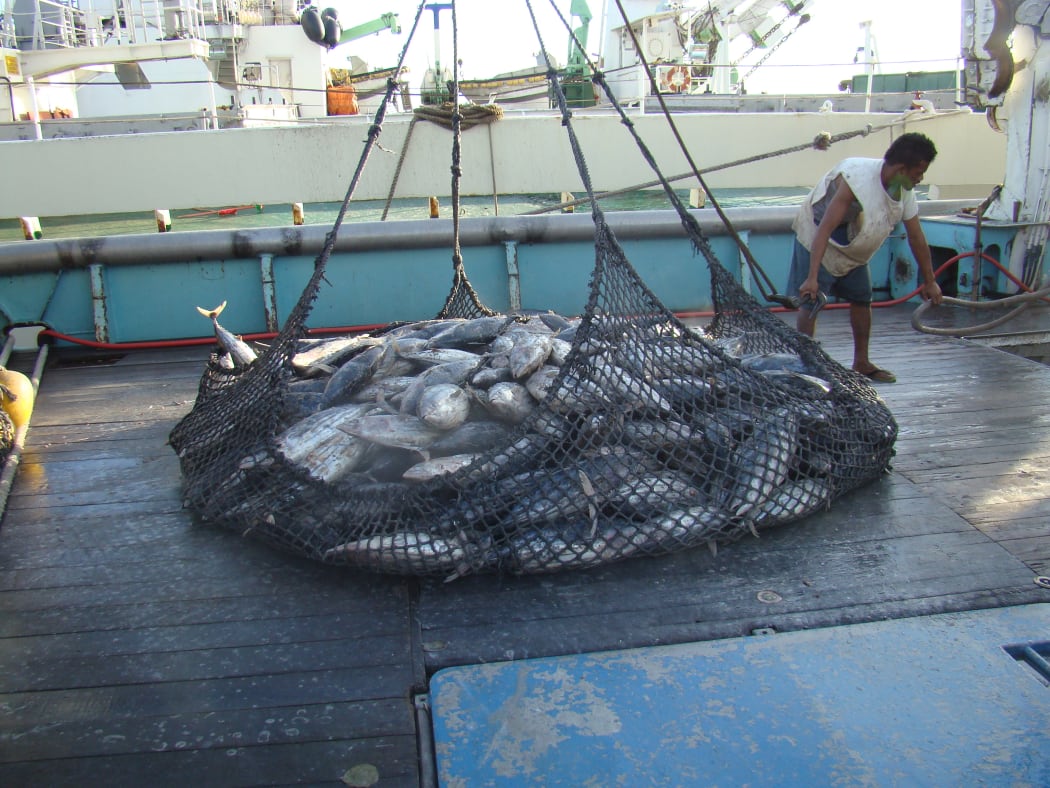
<point>456,372</point>
<point>761,463</point>
<point>793,501</point>
<point>798,380</point>
<point>329,352</point>
<point>509,402</point>
<point>438,466</point>
<point>487,376</point>
<point>687,527</point>
<point>572,546</point>
<point>765,362</point>
<point>444,405</point>
<point>473,332</point>
<point>433,356</point>
<point>662,435</point>
<point>530,351</point>
<point>415,552</point>
<point>384,389</point>
<point>404,432</point>
<point>635,392</point>
<point>471,437</point>
<point>240,352</point>
<point>560,350</point>
<point>540,381</point>
<point>317,445</point>
<point>648,493</point>
<point>354,374</point>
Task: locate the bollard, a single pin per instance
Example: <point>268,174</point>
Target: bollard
<point>697,198</point>
<point>298,216</point>
<point>567,197</point>
<point>434,209</point>
<point>31,228</point>
<point>163,217</point>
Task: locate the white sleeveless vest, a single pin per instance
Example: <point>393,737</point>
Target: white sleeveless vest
<point>879,214</point>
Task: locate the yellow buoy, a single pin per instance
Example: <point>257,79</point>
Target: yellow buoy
<point>16,396</point>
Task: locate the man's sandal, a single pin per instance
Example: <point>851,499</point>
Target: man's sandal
<point>879,375</point>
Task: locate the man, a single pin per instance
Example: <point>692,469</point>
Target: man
<point>843,222</point>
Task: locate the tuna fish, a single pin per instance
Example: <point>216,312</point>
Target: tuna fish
<point>761,463</point>
<point>404,432</point>
<point>438,466</point>
<point>318,447</point>
<point>239,351</point>
<point>793,501</point>
<point>444,406</point>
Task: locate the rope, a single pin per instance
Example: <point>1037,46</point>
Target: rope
<point>462,299</point>
<point>470,114</point>
<point>397,170</point>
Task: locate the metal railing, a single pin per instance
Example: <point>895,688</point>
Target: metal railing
<point>65,24</point>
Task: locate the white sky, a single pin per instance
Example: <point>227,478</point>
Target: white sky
<point>497,36</point>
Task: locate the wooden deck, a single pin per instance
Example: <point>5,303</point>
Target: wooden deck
<point>137,647</point>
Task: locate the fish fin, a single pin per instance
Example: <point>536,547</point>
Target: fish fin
<point>212,313</point>
<point>386,406</point>
<point>713,547</point>
<point>751,527</point>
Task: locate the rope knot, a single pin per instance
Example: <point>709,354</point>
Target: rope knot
<point>822,141</point>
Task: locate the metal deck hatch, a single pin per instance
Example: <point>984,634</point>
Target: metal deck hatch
<point>935,700</point>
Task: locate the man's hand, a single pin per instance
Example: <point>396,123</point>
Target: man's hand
<point>809,289</point>
<point>931,291</point>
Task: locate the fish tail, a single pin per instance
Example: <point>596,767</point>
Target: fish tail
<point>212,314</point>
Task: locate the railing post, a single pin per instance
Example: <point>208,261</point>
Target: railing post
<point>98,302</point>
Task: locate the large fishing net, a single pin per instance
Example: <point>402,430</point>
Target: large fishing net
<point>533,442</point>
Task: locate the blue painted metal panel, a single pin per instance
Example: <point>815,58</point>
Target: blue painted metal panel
<point>140,300</point>
<point>925,701</point>
<point>394,273</point>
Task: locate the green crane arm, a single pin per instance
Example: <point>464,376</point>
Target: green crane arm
<point>384,22</point>
<point>577,60</point>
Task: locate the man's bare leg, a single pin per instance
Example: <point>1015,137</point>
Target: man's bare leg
<point>860,322</point>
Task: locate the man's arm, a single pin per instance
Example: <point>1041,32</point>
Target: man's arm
<point>921,250</point>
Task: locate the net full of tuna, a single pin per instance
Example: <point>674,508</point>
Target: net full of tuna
<point>528,443</point>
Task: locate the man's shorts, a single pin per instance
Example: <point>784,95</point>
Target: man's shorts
<point>854,287</point>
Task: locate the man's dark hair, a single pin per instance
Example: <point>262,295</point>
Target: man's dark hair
<point>910,149</point>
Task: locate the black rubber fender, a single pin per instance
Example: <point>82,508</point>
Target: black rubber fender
<point>332,32</point>
<point>312,25</point>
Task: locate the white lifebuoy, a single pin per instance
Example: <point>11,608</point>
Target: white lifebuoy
<point>675,79</point>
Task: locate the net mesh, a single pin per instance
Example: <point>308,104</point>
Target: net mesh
<point>529,443</point>
<point>7,436</point>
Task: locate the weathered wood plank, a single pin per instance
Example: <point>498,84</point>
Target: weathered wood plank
<point>121,735</point>
<point>314,763</point>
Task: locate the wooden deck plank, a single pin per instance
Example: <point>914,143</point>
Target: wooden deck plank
<point>142,648</point>
<point>314,763</point>
<point>127,628</point>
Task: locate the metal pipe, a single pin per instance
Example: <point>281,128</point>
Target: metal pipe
<point>10,96</point>
<point>425,737</point>
<point>307,241</point>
